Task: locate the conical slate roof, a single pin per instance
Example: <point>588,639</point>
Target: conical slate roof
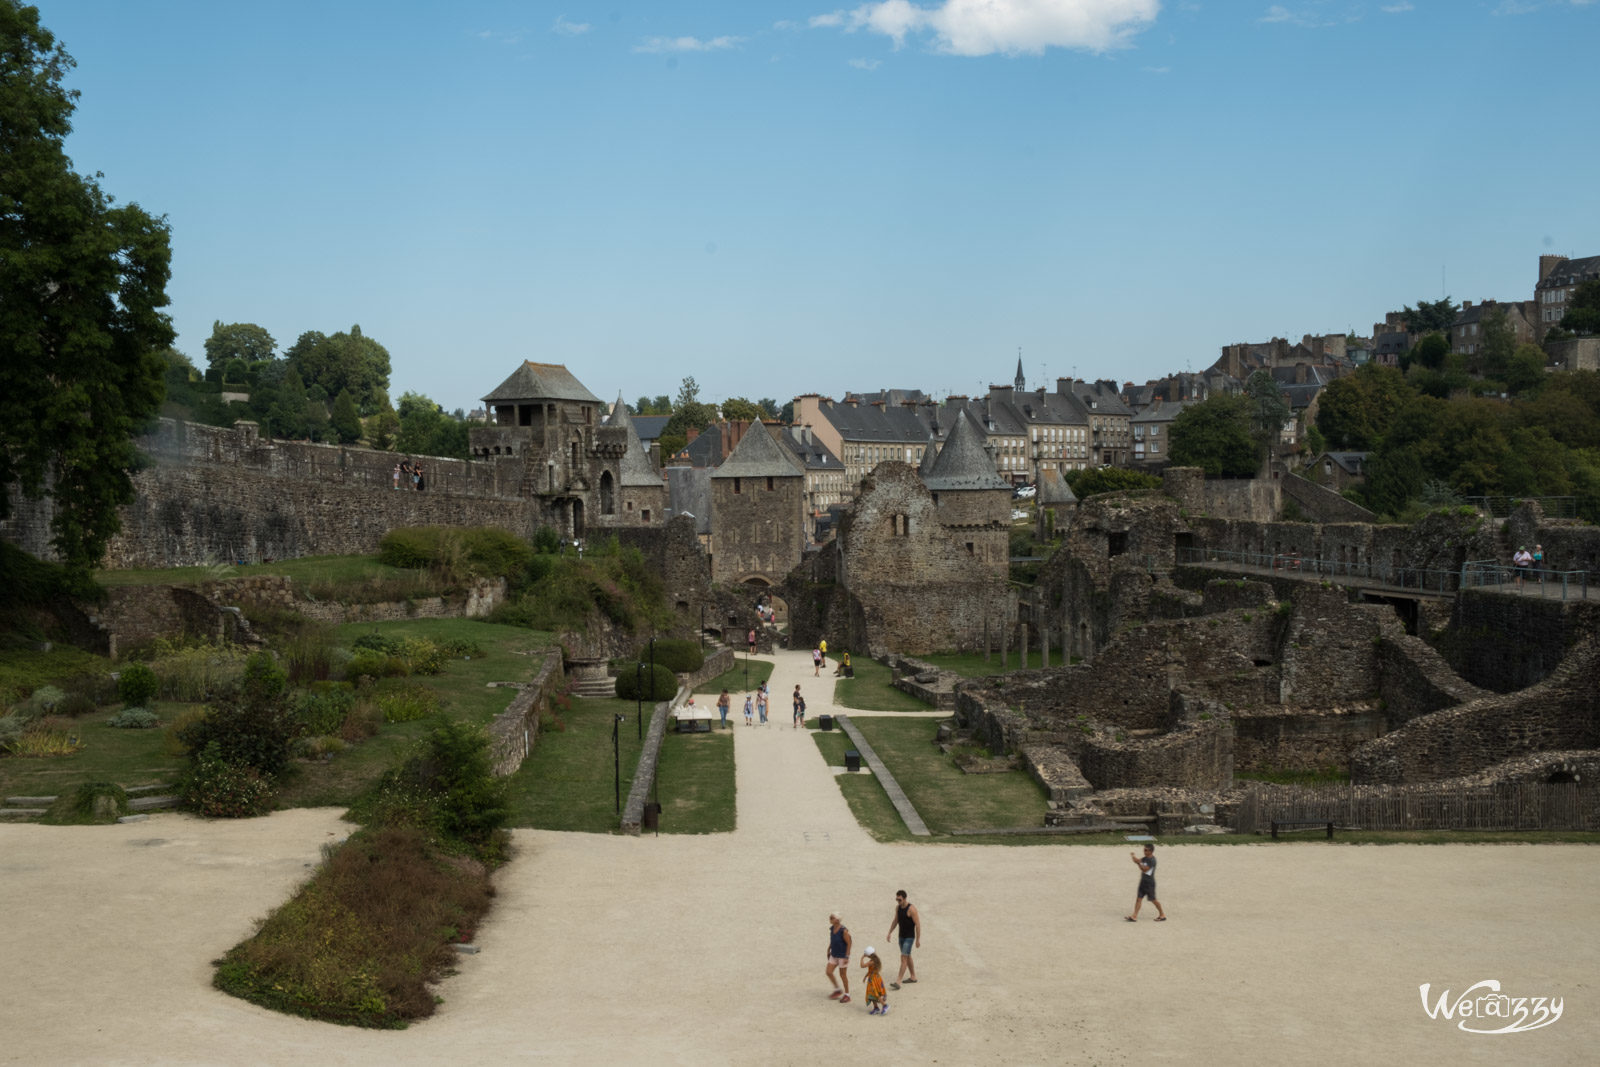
<point>757,455</point>
<point>540,381</point>
<point>636,470</point>
<point>929,452</point>
<point>962,462</point>
<point>1053,489</point>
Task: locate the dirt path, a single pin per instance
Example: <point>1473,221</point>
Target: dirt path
<point>710,949</point>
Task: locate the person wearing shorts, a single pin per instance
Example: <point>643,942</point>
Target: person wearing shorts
<point>799,708</point>
<point>838,959</point>
<point>908,924</point>
<point>1147,885</point>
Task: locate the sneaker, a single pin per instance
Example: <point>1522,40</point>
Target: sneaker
<point>872,1010</point>
<point>845,999</point>
<point>885,1010</point>
<point>835,995</point>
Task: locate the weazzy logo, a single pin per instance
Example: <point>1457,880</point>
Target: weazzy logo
<point>1481,1006</point>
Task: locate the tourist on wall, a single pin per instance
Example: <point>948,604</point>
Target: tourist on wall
<point>838,958</point>
<point>422,482</point>
<point>1522,560</point>
<point>396,476</point>
<point>1147,884</point>
<point>907,927</point>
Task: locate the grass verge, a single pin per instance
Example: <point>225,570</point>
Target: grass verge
<point>568,781</point>
<point>695,783</point>
<point>871,690</point>
<point>734,681</point>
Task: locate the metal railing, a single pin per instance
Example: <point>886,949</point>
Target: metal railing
<point>1345,572</point>
<point>1492,574</point>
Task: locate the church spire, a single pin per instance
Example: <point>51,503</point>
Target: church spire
<point>1020,382</point>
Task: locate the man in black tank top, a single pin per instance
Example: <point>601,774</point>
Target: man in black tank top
<point>908,925</point>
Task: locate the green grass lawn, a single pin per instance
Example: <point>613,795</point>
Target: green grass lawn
<point>973,664</point>
<point>126,757</point>
<point>870,690</point>
<point>734,681</point>
<point>568,781</point>
<point>24,669</point>
<point>695,783</point>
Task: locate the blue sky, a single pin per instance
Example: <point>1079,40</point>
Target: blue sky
<point>781,198</point>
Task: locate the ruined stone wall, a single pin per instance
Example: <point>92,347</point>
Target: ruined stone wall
<point>674,551</point>
<point>980,518</point>
<point>1506,642</point>
<point>1195,750</point>
<point>1251,499</point>
<point>514,732</point>
<point>1557,714</point>
<point>1270,738</point>
<point>916,587</point>
<point>1330,649</point>
<point>1414,680</point>
<point>757,531</point>
<point>1321,504</point>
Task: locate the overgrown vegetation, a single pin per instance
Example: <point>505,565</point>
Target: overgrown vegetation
<point>562,590</point>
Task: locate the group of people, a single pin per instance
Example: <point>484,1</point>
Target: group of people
<point>1525,561</point>
<point>755,704</point>
<point>409,475</point>
<point>906,926</point>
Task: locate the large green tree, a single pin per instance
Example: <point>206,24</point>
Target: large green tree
<point>1215,435</point>
<point>1270,410</point>
<point>426,430</point>
<point>1583,311</point>
<point>238,340</point>
<point>737,407</point>
<point>343,361</point>
<point>1430,316</point>
<point>1355,411</point>
<point>82,282</point>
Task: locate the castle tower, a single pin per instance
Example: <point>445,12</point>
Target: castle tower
<point>973,502</point>
<point>757,511</point>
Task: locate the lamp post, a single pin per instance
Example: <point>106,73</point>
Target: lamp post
<point>652,681</point>
<point>638,691</point>
<point>616,758</point>
<point>702,627</point>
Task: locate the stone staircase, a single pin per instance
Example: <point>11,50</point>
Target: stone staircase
<point>142,799</point>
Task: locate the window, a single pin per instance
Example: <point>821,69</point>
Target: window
<point>769,483</point>
<point>645,514</point>
<point>736,486</point>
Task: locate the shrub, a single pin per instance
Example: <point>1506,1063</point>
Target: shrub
<point>199,672</point>
<point>49,736</point>
<point>309,653</point>
<point>323,710</point>
<point>251,728</point>
<point>447,788</point>
<point>410,548</point>
<point>377,642</point>
<point>134,719</point>
<point>405,702</point>
<point>677,655</point>
<point>421,656</point>
<point>137,685</point>
<point>41,701</point>
<point>362,722</point>
<point>74,705</point>
<point>98,686</point>
<point>219,789</point>
<point>87,804</point>
<point>179,728</point>
<point>663,686</point>
<point>368,664</point>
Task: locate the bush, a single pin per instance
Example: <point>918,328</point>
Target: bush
<point>446,788</point>
<point>362,722</point>
<point>134,719</point>
<point>251,728</point>
<point>456,552</point>
<point>406,703</point>
<point>48,736</point>
<point>99,687</point>
<point>676,655</point>
<point>138,685</point>
<point>368,664</point>
<point>74,705</point>
<point>324,709</point>
<point>88,804</point>
<point>421,656</point>
<point>309,653</point>
<point>377,642</point>
<point>219,789</point>
<point>199,672</point>
<point>41,701</point>
<point>663,686</point>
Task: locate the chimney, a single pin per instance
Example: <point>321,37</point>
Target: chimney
<point>1465,304</point>
<point>1548,264</point>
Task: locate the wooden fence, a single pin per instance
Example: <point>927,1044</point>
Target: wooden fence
<point>1517,806</point>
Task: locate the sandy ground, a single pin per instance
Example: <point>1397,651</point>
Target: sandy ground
<point>711,949</point>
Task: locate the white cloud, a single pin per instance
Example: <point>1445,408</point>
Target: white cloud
<point>568,28</point>
<point>1398,9</point>
<point>1158,70</point>
<point>1277,13</point>
<point>1009,27</point>
<point>866,64</point>
<point>785,25</point>
<point>501,36</point>
<point>686,44</point>
<point>1315,13</point>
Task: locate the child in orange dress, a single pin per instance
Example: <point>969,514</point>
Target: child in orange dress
<point>877,996</point>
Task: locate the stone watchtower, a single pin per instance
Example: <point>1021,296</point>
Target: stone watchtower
<point>757,512</point>
<point>642,494</point>
<point>972,501</point>
<point>571,464</point>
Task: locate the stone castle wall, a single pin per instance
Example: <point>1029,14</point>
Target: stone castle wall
<point>758,532</point>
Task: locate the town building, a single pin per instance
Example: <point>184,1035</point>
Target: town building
<point>1559,278</point>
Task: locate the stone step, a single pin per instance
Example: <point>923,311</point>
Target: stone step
<point>20,814</point>
<point>28,802</point>
<point>152,803</point>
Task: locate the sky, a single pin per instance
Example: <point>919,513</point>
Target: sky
<point>782,198</point>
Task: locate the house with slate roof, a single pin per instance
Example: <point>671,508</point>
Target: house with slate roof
<point>825,487</point>
<point>1559,278</point>
<point>757,512</point>
<point>1466,332</point>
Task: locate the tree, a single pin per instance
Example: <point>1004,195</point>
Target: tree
<point>688,393</point>
<point>1524,371</point>
<point>737,407</point>
<point>382,429</point>
<point>1270,410</point>
<point>350,361</point>
<point>1499,342</point>
<point>661,405</point>
<point>1583,311</point>
<point>1355,411</point>
<point>82,283</point>
<point>1094,480</point>
<point>346,421</point>
<point>1215,436</point>
<point>238,340</point>
<point>426,430</point>
<point>770,406</point>
<point>1430,352</point>
<point>1427,317</point>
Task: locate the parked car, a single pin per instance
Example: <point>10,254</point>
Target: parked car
<point>1025,492</point>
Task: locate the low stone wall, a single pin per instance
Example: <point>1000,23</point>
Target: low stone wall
<point>717,662</point>
<point>1322,504</point>
<point>484,596</point>
<point>1272,738</point>
<point>1054,770</point>
<point>1195,752</point>
<point>132,616</point>
<point>513,732</point>
<point>644,775</point>
<point>938,692</point>
<point>1557,714</point>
